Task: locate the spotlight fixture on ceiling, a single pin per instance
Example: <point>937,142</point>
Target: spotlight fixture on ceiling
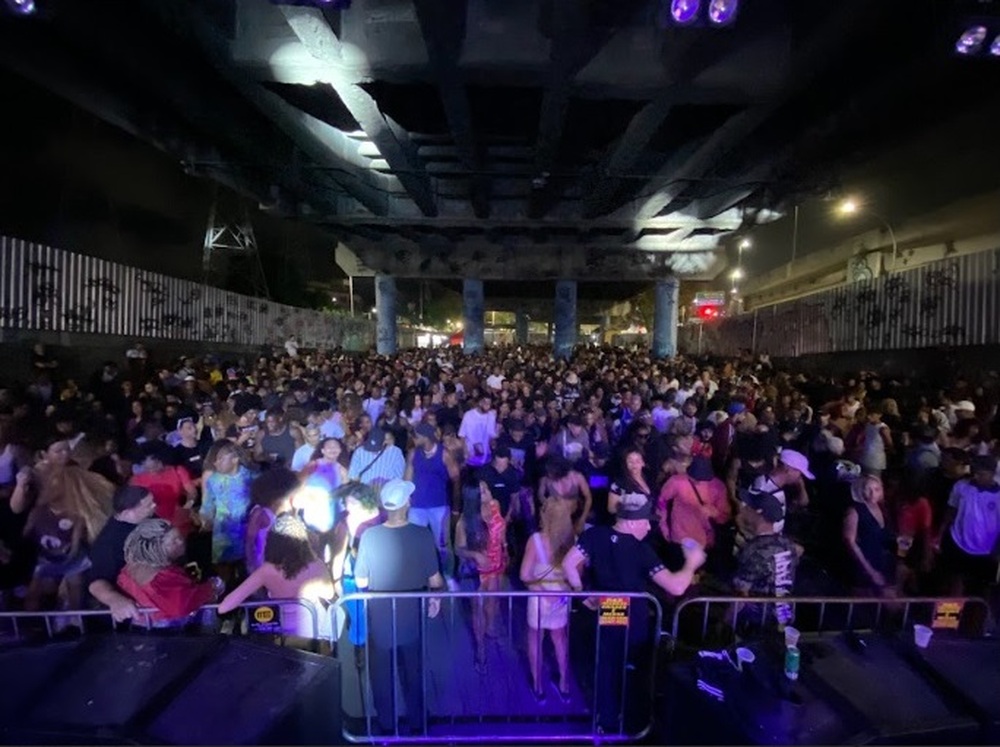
<point>973,29</point>
<point>971,40</point>
<point>723,12</point>
<point>684,12</point>
<point>697,13</point>
<point>21,7</point>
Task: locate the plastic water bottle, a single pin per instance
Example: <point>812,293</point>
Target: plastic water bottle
<point>792,661</point>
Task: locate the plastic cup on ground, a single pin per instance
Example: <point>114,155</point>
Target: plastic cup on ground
<point>744,656</point>
<point>922,635</point>
<point>791,637</point>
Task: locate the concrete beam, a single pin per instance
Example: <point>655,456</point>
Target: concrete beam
<point>190,21</point>
<point>392,141</point>
<point>670,182</point>
<point>726,221</point>
<point>443,25</point>
<point>405,259</point>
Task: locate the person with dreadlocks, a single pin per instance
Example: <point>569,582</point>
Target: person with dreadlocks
<point>153,577</point>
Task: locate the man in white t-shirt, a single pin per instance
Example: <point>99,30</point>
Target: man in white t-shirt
<point>479,428</point>
<point>494,382</point>
<point>970,536</point>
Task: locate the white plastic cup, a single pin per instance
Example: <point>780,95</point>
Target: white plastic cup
<point>744,656</point>
<point>922,636</point>
<point>791,637</point>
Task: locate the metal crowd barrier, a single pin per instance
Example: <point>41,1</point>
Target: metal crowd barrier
<point>53,619</point>
<point>967,615</point>
<point>442,648</point>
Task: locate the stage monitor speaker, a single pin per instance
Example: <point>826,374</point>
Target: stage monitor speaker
<point>112,689</point>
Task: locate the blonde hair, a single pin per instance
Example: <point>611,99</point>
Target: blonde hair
<point>79,493</point>
<point>144,545</point>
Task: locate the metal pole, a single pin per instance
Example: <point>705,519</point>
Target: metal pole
<point>701,331</point>
<point>753,337</point>
<point>350,291</point>
<point>795,240</point>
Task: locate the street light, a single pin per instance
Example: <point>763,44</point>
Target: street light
<point>737,274</point>
<point>852,207</point>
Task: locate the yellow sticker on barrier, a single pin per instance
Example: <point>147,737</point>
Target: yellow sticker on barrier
<point>263,614</point>
<point>947,615</point>
<point>613,611</point>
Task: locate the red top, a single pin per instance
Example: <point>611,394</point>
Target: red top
<point>168,488</point>
<point>915,518</point>
<point>175,594</point>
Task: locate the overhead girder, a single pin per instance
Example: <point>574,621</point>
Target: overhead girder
<point>392,141</point>
<point>443,25</point>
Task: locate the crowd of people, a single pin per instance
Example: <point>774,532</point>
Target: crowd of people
<point>286,476</point>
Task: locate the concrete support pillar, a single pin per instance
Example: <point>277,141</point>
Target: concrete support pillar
<point>385,309</point>
<point>521,327</point>
<point>565,319</point>
<point>665,318</point>
<point>473,310</point>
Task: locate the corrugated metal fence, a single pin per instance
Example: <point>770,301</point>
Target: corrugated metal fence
<point>949,302</point>
<point>42,288</point>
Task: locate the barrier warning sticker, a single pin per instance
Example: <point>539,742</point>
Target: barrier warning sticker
<point>265,619</point>
<point>947,614</point>
<point>613,611</point>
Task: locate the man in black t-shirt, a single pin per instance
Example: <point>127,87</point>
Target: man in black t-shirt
<point>132,504</point>
<point>397,556</point>
<point>618,560</point>
<point>189,452</point>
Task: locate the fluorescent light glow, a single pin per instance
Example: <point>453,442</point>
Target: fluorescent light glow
<point>746,244</point>
<point>723,12</point>
<point>736,274</point>
<point>971,40</point>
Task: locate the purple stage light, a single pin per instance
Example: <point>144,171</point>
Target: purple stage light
<point>684,12</point>
<point>995,47</point>
<point>971,40</point>
<point>723,12</point>
<point>21,7</point>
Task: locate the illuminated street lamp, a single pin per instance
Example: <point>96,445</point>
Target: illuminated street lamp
<point>851,207</point>
<point>737,274</point>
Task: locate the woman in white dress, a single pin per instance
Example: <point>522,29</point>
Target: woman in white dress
<point>541,569</point>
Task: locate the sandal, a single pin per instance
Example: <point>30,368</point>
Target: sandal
<point>539,695</point>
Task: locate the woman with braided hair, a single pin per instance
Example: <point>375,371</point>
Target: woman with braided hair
<point>153,578</point>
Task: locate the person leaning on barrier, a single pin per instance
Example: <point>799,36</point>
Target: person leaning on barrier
<point>397,557</point>
<point>153,577</point>
<point>618,560</point>
<point>132,505</point>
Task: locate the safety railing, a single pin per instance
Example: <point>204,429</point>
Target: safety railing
<point>732,618</point>
<point>264,616</point>
<point>477,687</point>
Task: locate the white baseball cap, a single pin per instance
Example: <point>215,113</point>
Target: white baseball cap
<point>796,461</point>
<point>965,405</point>
<point>396,494</point>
